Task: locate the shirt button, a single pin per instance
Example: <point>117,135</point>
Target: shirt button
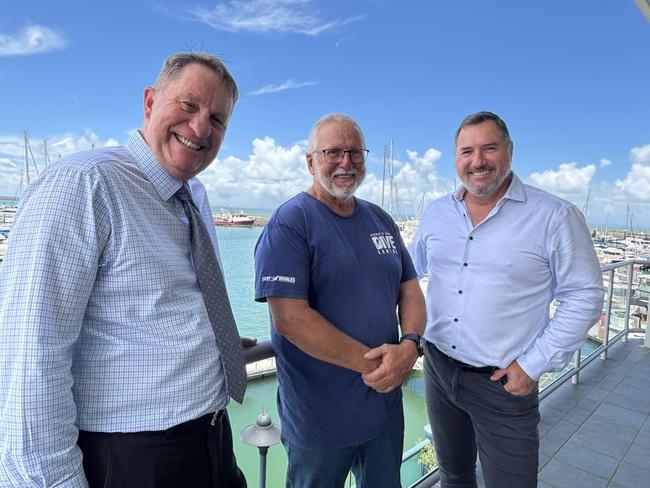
<point>460,292</point>
<point>465,264</point>
<point>471,238</point>
<point>455,320</point>
<point>453,347</point>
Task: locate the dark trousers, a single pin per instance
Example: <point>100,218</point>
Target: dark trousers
<point>195,454</point>
<point>469,414</point>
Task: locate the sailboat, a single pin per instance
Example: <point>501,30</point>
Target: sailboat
<point>406,221</point>
<point>8,212</point>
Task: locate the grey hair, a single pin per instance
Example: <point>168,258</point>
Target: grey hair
<point>479,117</point>
<point>174,64</point>
<point>333,117</point>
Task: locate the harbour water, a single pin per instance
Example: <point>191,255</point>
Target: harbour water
<point>236,246</point>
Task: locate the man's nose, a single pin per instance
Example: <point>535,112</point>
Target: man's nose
<point>200,126</point>
<point>478,158</point>
<point>346,161</point>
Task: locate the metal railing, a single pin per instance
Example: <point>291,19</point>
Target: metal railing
<point>263,350</point>
<point>579,363</point>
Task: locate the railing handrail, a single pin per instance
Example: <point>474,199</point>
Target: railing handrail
<point>624,262</point>
<point>259,351</point>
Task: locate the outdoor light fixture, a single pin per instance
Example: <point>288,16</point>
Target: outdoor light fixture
<point>262,434</point>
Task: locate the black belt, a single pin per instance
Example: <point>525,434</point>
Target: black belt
<point>465,366</point>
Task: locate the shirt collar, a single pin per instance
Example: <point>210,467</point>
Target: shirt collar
<point>164,183</point>
<point>515,191</point>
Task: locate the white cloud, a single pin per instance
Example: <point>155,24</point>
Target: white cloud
<point>287,85</point>
<point>267,177</point>
<point>272,174</point>
<point>568,179</point>
<point>340,41</point>
<point>62,146</point>
<point>32,39</point>
<point>608,201</point>
<point>640,155</point>
<point>264,16</point>
<point>637,182</point>
<point>12,154</point>
<point>10,177</point>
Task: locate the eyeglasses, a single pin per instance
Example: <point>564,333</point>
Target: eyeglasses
<point>335,155</point>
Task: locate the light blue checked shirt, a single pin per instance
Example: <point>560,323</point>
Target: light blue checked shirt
<point>102,323</point>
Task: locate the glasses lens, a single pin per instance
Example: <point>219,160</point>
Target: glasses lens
<point>357,155</point>
<point>333,155</point>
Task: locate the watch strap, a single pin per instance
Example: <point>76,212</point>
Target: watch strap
<point>417,338</point>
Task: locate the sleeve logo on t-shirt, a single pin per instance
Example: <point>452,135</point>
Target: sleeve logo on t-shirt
<point>280,278</point>
<point>384,242</point>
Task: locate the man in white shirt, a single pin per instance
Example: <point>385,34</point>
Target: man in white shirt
<point>496,253</point>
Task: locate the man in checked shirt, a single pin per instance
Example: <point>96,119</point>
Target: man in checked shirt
<point>110,371</point>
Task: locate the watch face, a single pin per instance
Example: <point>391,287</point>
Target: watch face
<point>417,338</point>
<point>421,346</point>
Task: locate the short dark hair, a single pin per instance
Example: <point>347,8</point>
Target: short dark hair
<point>479,117</point>
<point>174,64</point>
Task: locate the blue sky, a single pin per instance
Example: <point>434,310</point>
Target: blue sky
<point>571,79</point>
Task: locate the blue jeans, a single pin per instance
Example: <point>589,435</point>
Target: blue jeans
<point>469,414</point>
<point>374,463</point>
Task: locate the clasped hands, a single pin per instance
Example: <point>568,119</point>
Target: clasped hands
<point>394,364</point>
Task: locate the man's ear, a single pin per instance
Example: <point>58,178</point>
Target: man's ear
<point>149,94</point>
<point>311,164</point>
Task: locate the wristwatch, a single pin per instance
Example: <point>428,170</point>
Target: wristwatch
<point>417,338</point>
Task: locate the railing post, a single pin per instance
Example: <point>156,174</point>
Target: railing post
<point>608,312</point>
<point>575,379</point>
<point>628,299</point>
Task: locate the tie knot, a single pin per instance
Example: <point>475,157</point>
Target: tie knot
<point>183,193</point>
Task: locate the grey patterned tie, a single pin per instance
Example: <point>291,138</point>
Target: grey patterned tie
<point>215,297</point>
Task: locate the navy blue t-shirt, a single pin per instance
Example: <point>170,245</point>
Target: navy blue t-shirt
<point>350,270</point>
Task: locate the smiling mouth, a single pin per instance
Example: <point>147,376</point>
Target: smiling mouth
<point>481,172</point>
<point>346,178</point>
<point>187,143</point>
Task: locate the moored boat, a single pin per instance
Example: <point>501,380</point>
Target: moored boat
<point>231,219</point>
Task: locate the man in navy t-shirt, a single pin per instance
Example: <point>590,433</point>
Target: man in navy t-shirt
<point>335,273</point>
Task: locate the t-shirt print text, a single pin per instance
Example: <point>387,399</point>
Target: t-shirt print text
<point>280,278</point>
<point>384,242</point>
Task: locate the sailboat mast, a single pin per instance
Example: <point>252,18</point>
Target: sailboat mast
<point>26,157</point>
<point>390,200</point>
<point>47,157</point>
<point>383,177</point>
